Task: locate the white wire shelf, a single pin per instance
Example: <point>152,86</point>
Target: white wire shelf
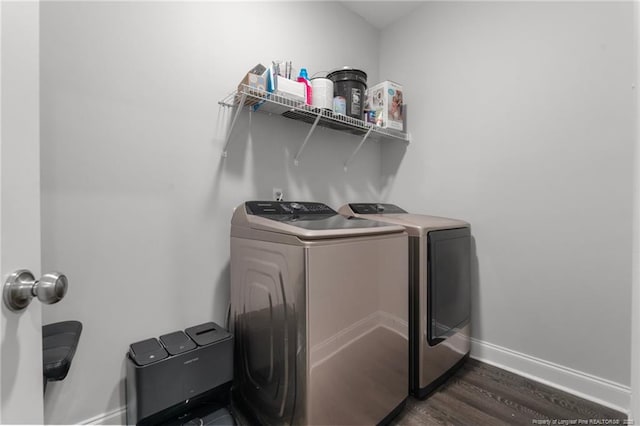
<point>271,103</point>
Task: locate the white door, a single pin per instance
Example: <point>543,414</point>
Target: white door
<point>21,398</point>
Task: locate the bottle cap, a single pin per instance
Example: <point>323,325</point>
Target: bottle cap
<point>303,73</point>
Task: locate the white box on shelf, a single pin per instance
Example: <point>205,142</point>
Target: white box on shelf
<point>386,100</point>
<point>288,94</point>
<point>290,89</point>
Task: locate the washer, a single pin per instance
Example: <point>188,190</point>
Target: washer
<point>439,291</point>
<point>319,311</point>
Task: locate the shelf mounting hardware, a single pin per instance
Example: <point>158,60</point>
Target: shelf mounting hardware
<point>346,164</point>
<point>233,123</point>
<point>313,127</point>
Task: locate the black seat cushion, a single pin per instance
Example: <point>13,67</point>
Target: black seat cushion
<point>59,343</point>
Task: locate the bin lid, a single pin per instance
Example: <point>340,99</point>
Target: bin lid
<point>207,333</point>
<point>347,73</point>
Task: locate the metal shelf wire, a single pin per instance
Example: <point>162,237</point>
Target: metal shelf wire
<point>272,103</point>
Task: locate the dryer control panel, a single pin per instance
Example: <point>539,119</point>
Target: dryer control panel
<point>375,208</point>
<point>287,208</point>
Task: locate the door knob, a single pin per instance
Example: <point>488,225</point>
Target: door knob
<point>21,286</point>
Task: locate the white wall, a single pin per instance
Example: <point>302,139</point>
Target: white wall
<point>522,116</point>
<point>635,299</point>
<point>136,200</point>
<point>522,123</point>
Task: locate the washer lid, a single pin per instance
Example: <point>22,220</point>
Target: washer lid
<point>375,208</point>
<point>306,220</point>
<point>415,224</point>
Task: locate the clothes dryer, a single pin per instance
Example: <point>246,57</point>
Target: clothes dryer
<point>319,312</point>
<point>439,291</point>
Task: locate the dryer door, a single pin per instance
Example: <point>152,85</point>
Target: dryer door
<point>448,282</point>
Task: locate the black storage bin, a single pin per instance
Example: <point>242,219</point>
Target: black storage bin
<point>193,384</point>
<point>351,84</point>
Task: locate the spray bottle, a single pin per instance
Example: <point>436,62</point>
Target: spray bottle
<point>304,78</point>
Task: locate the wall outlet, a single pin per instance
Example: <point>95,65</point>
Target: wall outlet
<point>278,194</point>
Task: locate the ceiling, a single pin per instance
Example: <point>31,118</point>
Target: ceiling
<point>381,14</point>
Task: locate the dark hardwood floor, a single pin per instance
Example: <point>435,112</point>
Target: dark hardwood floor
<point>480,394</point>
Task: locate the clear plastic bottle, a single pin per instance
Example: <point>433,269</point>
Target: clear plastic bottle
<point>304,78</point>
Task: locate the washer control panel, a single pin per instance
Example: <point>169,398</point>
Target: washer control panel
<point>287,208</point>
<point>375,208</point>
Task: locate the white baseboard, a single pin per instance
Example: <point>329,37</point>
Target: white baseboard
<point>587,386</point>
<point>584,385</point>
<point>114,417</point>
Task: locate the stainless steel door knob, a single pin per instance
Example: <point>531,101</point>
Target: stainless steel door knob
<point>21,286</point>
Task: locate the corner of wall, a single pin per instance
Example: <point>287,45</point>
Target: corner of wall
<point>635,274</point>
<point>583,385</point>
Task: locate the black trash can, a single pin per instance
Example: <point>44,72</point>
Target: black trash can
<point>351,84</point>
<point>184,378</point>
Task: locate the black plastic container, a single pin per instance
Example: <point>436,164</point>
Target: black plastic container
<point>350,84</point>
<point>192,386</point>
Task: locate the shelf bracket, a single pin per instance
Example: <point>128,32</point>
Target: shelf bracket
<point>315,123</point>
<point>233,123</point>
<point>346,164</point>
